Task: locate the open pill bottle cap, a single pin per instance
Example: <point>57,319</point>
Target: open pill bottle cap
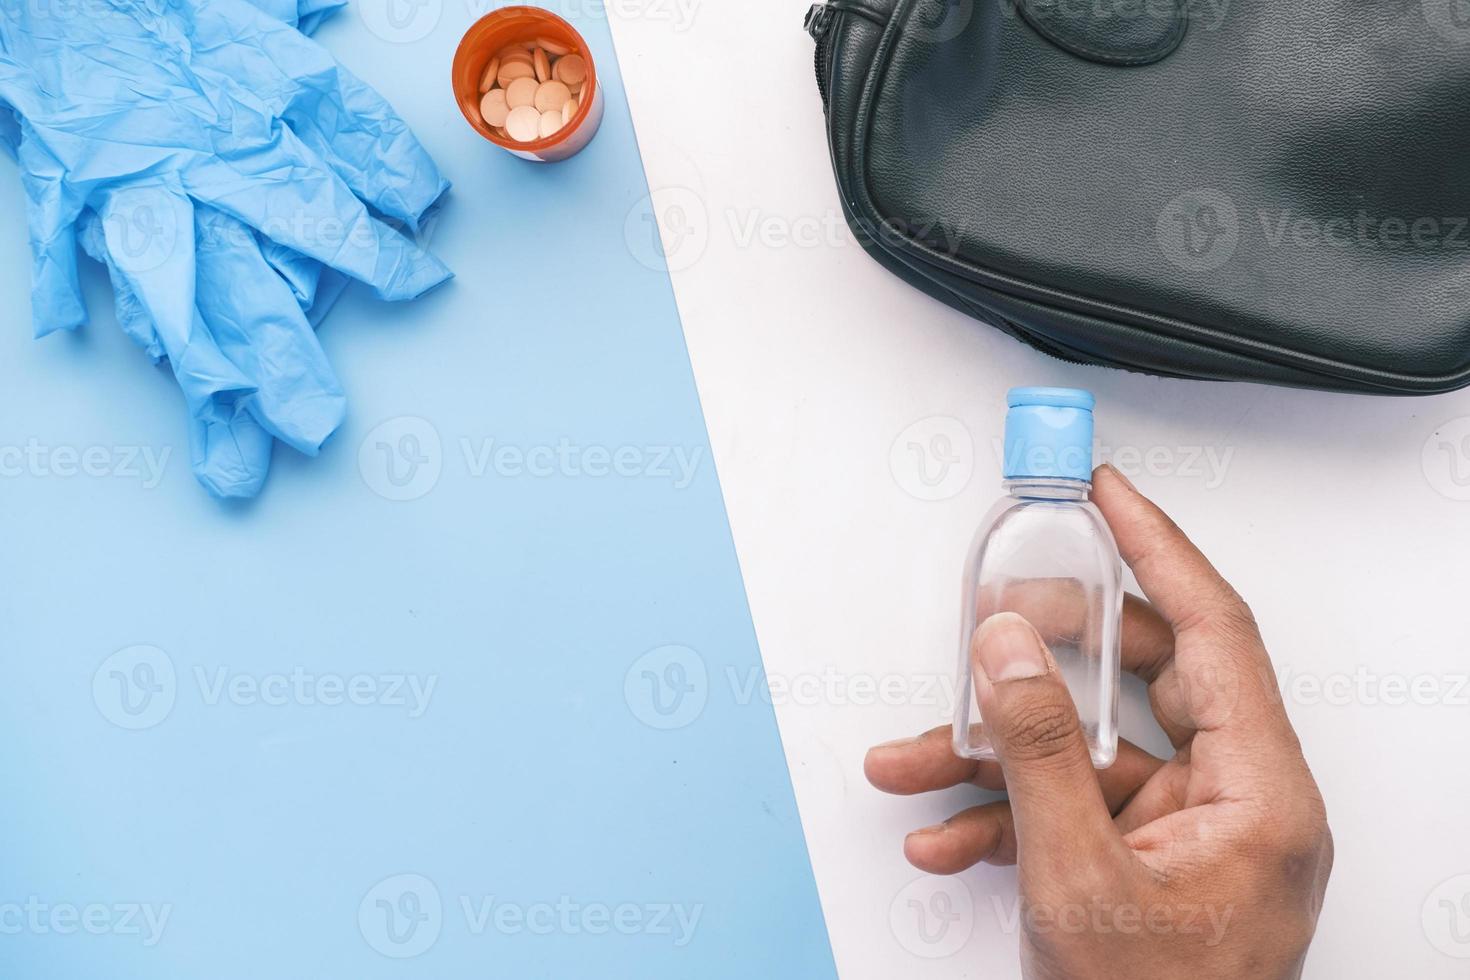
<point>529,29</point>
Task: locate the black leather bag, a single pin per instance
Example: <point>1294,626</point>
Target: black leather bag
<point>1262,190</point>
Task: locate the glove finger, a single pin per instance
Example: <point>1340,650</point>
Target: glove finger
<point>148,230</point>
<point>255,319</point>
<point>145,236</point>
<point>52,209</point>
<point>373,151</point>
<point>365,141</point>
<point>230,457</point>
<point>315,286</point>
<point>305,15</point>
<point>131,315</point>
<point>311,13</point>
<point>288,193</point>
<point>343,120</point>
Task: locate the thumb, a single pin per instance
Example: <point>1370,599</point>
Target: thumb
<point>1032,723</point>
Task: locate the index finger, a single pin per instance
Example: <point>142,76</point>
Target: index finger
<point>1179,581</point>
<point>1218,649</point>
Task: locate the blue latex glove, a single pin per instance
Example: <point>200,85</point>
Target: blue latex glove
<point>222,165</point>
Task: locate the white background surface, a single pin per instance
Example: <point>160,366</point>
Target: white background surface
<point>1336,516</point>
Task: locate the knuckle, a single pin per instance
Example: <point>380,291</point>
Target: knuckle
<point>1220,610</point>
<point>1238,622</point>
<point>1231,616</point>
<point>1307,842</point>
<point>1295,852</point>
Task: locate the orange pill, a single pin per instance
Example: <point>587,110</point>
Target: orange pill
<point>571,69</point>
<point>488,76</point>
<point>552,95</point>
<point>494,108</point>
<point>523,124</point>
<point>521,92</point>
<point>512,70</point>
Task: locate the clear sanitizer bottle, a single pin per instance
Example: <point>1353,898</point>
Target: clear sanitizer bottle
<point>1046,553</point>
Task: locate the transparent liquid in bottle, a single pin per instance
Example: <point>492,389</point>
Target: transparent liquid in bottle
<point>1045,552</point>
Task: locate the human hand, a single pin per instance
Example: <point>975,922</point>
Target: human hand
<point>1212,864</point>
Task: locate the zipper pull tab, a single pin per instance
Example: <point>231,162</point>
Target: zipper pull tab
<point>818,20</point>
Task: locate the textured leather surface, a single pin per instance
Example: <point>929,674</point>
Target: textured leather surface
<point>1116,32</point>
<point>1285,197</point>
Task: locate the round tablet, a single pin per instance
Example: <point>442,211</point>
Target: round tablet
<point>550,122</point>
<point>521,91</point>
<point>552,95</point>
<point>571,69</point>
<point>543,66</point>
<point>554,47</point>
<point>487,77</point>
<point>494,107</point>
<point>513,52</point>
<point>523,124</point>
<point>568,111</point>
<point>511,70</point>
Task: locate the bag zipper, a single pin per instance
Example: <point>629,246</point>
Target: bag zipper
<point>818,24</point>
<point>821,18</point>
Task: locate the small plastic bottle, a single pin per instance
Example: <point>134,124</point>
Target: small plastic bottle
<point>1045,552</point>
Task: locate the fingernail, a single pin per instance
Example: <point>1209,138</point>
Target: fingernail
<point>898,743</point>
<point>1119,474</point>
<point>931,829</point>
<point>1009,649</point>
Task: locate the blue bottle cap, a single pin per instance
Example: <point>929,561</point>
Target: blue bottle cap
<point>1048,434</point>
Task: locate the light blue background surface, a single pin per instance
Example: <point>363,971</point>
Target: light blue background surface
<point>539,771</point>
